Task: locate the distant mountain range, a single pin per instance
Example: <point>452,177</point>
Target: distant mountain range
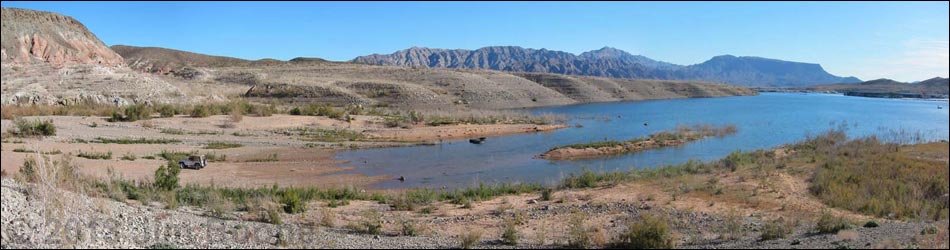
<point>612,62</point>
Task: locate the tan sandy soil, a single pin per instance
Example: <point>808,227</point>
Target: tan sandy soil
<point>300,162</point>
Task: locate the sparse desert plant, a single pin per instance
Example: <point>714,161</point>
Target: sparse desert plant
<point>166,177</point>
<point>408,228</point>
<point>829,224</point>
<point>292,202</point>
<point>871,224</point>
<point>23,127</point>
<point>200,111</point>
<point>511,235</point>
<point>95,155</point>
<point>28,171</point>
<point>327,217</point>
<point>733,226</point>
<point>649,232</point>
<point>273,216</point>
<point>132,113</point>
<point>469,238</point>
<point>579,235</point>
<point>237,116</point>
<point>547,194</point>
<point>222,145</point>
<point>128,157</point>
<point>775,229</point>
<point>372,222</point>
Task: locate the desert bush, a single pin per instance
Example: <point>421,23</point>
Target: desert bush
<point>200,111</point>
<point>166,110</point>
<point>579,235</point>
<point>876,178</point>
<point>829,224</point>
<point>135,141</point>
<point>128,157</point>
<point>236,116</point>
<point>132,113</point>
<point>408,228</point>
<point>273,216</point>
<point>372,222</point>
<point>648,232</point>
<point>166,177</point>
<point>733,226</point>
<point>95,155</point>
<point>292,202</point>
<point>222,145</point>
<point>775,229</point>
<point>547,194</point>
<point>24,127</point>
<point>28,171</point>
<point>327,217</point>
<point>511,235</point>
<point>469,238</point>
<point>871,224</point>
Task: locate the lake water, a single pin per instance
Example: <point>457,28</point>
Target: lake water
<point>764,121</point>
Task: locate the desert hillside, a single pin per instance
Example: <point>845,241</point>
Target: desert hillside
<point>51,59</point>
<point>934,86</point>
<point>302,80</point>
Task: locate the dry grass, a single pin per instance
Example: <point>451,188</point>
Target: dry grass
<point>469,238</point>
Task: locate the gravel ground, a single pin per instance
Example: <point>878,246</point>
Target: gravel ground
<point>35,216</point>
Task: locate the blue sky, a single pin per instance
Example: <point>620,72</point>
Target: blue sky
<point>905,41</point>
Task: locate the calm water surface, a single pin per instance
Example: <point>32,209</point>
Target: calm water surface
<point>764,121</point>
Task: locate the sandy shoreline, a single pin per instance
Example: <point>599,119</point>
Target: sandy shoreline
<point>298,160</point>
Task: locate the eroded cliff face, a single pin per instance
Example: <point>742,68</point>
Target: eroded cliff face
<point>37,36</point>
<point>52,59</point>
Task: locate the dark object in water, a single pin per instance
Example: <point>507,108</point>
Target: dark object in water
<point>645,124</point>
<point>401,179</point>
<point>480,140</point>
<point>939,107</point>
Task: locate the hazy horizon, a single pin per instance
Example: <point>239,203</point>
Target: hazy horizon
<point>895,40</point>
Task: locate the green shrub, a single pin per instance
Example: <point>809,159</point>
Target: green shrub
<point>128,157</point>
<point>647,233</point>
<point>222,145</point>
<point>546,194</point>
<point>775,229</point>
<point>28,171</point>
<point>200,111</point>
<point>166,177</point>
<point>95,156</point>
<point>408,228</point>
<point>829,224</point>
<point>372,222</point>
<point>291,202</point>
<point>166,111</point>
<point>23,127</point>
<point>871,224</point>
<point>273,216</point>
<point>510,236</point>
<point>135,141</point>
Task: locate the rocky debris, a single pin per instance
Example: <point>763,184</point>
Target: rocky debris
<point>44,219</point>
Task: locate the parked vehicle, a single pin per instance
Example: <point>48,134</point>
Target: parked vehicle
<point>194,161</point>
